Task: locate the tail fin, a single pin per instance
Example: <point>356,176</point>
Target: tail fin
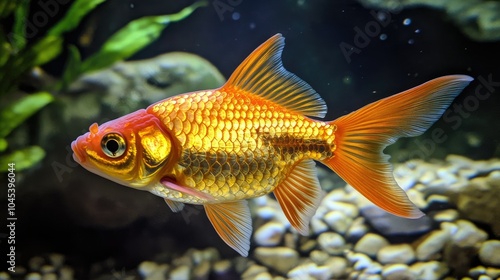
<point>362,135</point>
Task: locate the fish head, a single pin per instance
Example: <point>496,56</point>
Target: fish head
<point>132,150</point>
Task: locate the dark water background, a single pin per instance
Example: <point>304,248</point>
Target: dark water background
<point>314,32</point>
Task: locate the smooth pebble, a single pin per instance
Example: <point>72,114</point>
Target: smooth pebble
<point>398,253</point>
<point>281,259</point>
<point>432,244</point>
<point>468,235</point>
<point>397,272</point>
<point>332,243</point>
<point>338,221</point>
<point>370,244</point>
<point>429,270</point>
<point>269,234</point>
<point>489,253</point>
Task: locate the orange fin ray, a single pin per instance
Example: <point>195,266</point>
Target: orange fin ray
<point>299,195</point>
<point>362,136</point>
<point>233,223</point>
<point>175,206</point>
<point>262,73</point>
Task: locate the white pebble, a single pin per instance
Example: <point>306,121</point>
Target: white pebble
<point>348,209</point>
<point>337,266</point>
<point>318,257</point>
<point>360,261</point>
<point>261,200</point>
<point>338,221</point>
<point>459,161</point>
<point>318,226</point>
<point>49,276</point>
<point>263,276</point>
<point>493,272</point>
<point>269,234</point>
<point>397,271</point>
<point>447,176</point>
<point>417,198</point>
<point>489,253</point>
<point>429,270</point>
<point>406,182</point>
<point>399,253</point>
<point>302,271</point>
<point>447,215</point>
<point>33,276</point>
<point>370,244</point>
<point>180,273</point>
<point>427,177</point>
<point>281,259</point>
<point>252,271</point>
<point>266,212</point>
<point>335,195</point>
<point>146,268</point>
<point>357,229</point>
<point>332,243</point>
<point>432,245</point>
<point>468,235</point>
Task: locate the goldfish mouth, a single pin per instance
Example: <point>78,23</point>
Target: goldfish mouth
<point>77,153</point>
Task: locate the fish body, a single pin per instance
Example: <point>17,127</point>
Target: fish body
<point>236,146</point>
<point>254,136</point>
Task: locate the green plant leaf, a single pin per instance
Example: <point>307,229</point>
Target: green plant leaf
<point>23,158</point>
<point>5,49</point>
<point>74,15</point>
<point>17,37</point>
<point>133,37</point>
<point>7,7</point>
<point>72,69</point>
<point>17,112</point>
<point>46,49</point>
<point>3,144</point>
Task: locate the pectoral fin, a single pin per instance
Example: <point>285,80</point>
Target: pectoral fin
<point>299,195</point>
<point>233,223</point>
<point>171,184</point>
<point>175,206</point>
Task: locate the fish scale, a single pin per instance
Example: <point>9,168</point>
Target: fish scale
<point>234,154</point>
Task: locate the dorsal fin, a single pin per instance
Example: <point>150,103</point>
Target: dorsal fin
<point>262,73</point>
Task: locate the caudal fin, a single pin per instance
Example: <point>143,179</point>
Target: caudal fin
<point>362,135</point>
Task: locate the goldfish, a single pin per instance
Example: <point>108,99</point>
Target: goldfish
<point>260,133</point>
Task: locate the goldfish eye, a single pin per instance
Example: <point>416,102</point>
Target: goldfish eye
<point>113,145</point>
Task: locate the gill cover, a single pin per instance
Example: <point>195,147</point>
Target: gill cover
<point>132,150</point>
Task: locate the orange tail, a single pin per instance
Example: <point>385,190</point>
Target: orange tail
<point>362,135</point>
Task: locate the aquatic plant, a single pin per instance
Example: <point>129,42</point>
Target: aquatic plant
<point>20,58</point>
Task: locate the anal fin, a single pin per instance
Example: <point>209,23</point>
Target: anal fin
<point>175,206</point>
<point>299,195</point>
<point>233,223</point>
